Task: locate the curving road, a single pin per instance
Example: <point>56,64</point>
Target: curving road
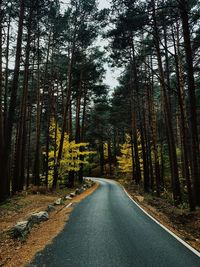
<point>108,230</point>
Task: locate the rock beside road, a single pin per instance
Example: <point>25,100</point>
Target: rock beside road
<point>59,201</point>
<point>81,190</point>
<point>39,217</point>
<point>21,229</point>
<point>50,208</point>
<point>77,191</point>
<point>68,198</point>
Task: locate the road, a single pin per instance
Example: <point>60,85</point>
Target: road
<point>108,230</point>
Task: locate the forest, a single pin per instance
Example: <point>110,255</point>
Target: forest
<point>60,121</point>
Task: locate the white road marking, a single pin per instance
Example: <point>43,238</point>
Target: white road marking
<point>161,225</point>
<point>165,228</point>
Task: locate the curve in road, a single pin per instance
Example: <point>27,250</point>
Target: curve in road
<point>108,230</point>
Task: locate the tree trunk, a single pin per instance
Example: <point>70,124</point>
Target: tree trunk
<point>29,148</point>
<point>184,133</point>
<point>40,102</point>
<point>36,165</point>
<point>3,179</point>
<point>101,158</point>
<point>110,157</point>
<point>134,103</point>
<point>19,174</point>
<point>37,182</point>
<point>145,152</point>
<point>11,113</point>
<point>7,71</point>
<point>168,118</point>
<point>63,130</point>
<point>78,135</point>
<point>133,158</point>
<point>1,82</point>
<point>195,168</point>
<point>136,152</point>
<point>153,129</point>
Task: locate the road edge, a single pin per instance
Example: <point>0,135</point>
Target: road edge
<point>197,253</point>
<point>23,253</point>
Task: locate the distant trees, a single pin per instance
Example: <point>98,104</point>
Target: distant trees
<point>99,128</point>
<point>154,42</point>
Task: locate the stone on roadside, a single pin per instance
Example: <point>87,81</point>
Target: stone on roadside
<point>21,229</point>
<point>68,198</point>
<point>58,201</point>
<point>89,185</point>
<point>81,190</point>
<point>39,217</point>
<point>77,191</point>
<point>50,208</point>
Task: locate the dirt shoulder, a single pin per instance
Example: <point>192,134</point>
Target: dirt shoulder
<point>180,221</point>
<point>14,252</point>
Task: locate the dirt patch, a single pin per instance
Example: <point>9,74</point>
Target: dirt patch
<point>182,222</point>
<point>20,207</point>
<point>17,253</point>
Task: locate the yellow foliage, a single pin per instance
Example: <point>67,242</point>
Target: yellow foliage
<point>125,160</point>
<point>72,154</point>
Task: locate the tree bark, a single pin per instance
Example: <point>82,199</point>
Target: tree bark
<point>12,107</point>
<point>19,174</point>
<point>195,167</point>
<point>183,122</point>
<point>168,118</point>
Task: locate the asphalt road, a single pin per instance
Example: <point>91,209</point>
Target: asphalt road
<point>108,230</point>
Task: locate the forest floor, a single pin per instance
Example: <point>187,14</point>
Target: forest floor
<point>15,252</point>
<point>179,220</point>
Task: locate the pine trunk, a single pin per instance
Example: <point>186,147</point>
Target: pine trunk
<point>19,173</point>
<point>5,156</point>
<point>183,122</point>
<point>168,117</point>
<point>195,168</point>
